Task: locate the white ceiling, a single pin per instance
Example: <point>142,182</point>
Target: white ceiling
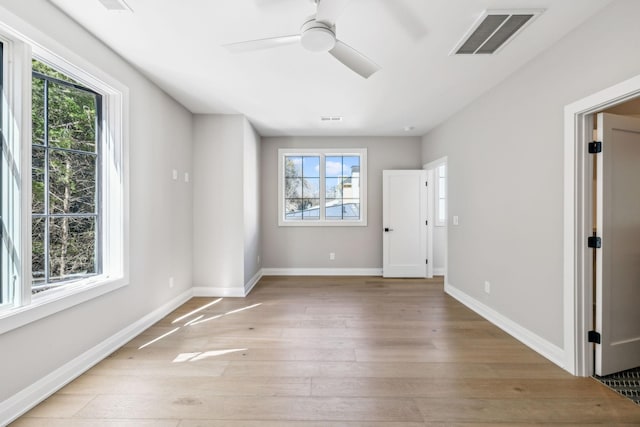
<point>284,91</point>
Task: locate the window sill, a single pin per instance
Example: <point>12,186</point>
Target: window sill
<point>57,301</point>
<point>310,223</point>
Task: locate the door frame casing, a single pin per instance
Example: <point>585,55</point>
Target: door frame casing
<point>578,220</point>
<point>431,166</point>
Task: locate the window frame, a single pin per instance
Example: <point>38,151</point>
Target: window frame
<point>18,51</point>
<point>440,222</point>
<point>47,215</point>
<point>323,154</point>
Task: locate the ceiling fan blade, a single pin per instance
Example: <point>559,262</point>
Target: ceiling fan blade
<point>259,44</point>
<point>354,59</point>
<point>329,10</point>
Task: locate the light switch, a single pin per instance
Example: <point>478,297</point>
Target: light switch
<point>174,174</point>
<point>455,220</point>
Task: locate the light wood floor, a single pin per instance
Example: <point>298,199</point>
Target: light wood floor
<point>329,352</point>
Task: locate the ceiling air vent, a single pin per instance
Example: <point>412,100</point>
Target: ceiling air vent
<point>493,30</point>
<point>116,5</point>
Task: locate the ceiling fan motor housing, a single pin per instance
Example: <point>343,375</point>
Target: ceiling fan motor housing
<point>317,36</point>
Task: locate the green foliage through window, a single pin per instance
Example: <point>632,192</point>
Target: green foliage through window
<point>65,179</point>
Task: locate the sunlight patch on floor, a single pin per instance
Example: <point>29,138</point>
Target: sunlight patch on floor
<point>191,313</point>
<point>225,314</point>
<point>194,357</point>
<point>158,339</point>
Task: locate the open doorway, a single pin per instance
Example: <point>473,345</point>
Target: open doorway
<point>616,223</point>
<point>439,200</point>
<point>616,267</point>
<point>589,204</point>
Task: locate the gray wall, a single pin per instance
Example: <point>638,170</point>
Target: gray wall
<point>160,218</point>
<point>309,247</point>
<point>505,165</point>
<point>439,247</point>
<point>251,191</point>
<point>218,254</point>
<point>226,206</point>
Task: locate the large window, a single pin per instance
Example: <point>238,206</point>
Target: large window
<point>322,187</point>
<point>65,178</point>
<point>63,203</point>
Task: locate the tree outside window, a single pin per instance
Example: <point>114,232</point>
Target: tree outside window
<point>65,179</point>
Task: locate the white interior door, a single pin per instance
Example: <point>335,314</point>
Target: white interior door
<point>404,217</point>
<point>618,261</point>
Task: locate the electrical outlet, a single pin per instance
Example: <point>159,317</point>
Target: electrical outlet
<point>174,174</point>
<point>186,177</point>
<point>170,282</point>
<point>258,259</point>
<point>456,220</point>
<point>332,256</point>
<point>487,287</point>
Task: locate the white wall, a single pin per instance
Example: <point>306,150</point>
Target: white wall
<point>218,202</point>
<point>226,207</point>
<point>251,190</point>
<point>160,216</point>
<point>309,247</point>
<point>505,168</point>
<point>439,249</point>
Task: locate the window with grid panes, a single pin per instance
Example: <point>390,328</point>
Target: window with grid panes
<point>65,179</point>
<point>322,187</point>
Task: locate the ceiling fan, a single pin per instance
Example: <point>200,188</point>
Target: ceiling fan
<point>317,34</point>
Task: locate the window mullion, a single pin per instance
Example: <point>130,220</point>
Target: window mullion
<point>46,181</point>
<point>22,105</point>
<point>322,187</point>
<point>98,253</point>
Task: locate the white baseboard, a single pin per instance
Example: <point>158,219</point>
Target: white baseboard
<point>206,291</point>
<point>228,292</point>
<point>322,272</point>
<point>438,271</point>
<point>30,396</point>
<point>530,339</point>
<point>222,292</point>
<point>248,287</point>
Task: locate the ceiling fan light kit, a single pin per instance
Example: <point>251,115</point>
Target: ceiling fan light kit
<point>317,36</point>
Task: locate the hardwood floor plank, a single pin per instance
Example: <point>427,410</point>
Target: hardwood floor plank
<point>607,411</point>
<point>60,405</point>
<point>454,388</point>
<point>71,422</point>
<point>358,369</point>
<point>224,350</point>
<point>242,408</point>
<point>202,386</point>
<point>430,355</point>
<point>254,423</point>
<point>150,368</point>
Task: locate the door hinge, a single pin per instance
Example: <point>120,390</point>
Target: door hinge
<point>594,337</point>
<point>426,222</point>
<point>426,183</point>
<point>595,147</point>
<point>426,261</point>
<point>594,242</point>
